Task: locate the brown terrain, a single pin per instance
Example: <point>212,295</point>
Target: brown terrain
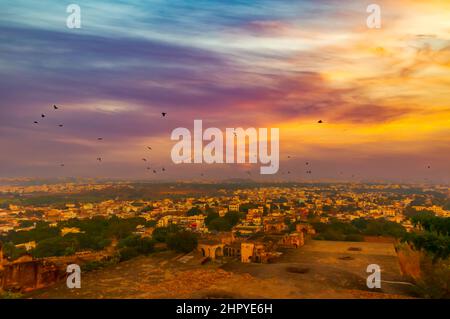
<point>320,269</point>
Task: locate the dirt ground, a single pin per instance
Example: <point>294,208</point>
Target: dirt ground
<point>320,269</point>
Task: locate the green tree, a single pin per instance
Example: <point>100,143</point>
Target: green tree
<point>232,218</point>
<point>219,224</point>
<point>160,234</point>
<point>211,217</point>
<point>194,211</point>
<point>183,241</point>
<point>143,245</point>
<point>12,252</point>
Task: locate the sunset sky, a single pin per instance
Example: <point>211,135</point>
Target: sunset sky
<point>383,94</point>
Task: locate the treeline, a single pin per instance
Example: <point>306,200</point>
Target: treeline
<point>357,229</point>
<point>215,222</point>
<point>432,236</point>
<point>95,234</point>
<point>176,238</point>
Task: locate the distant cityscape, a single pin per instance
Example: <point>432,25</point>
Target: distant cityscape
<point>99,224</point>
<point>344,202</point>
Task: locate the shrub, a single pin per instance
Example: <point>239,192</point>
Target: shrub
<point>98,264</point>
<point>143,245</point>
<point>183,241</point>
<point>128,253</point>
<point>354,237</point>
<point>160,234</point>
<point>435,278</point>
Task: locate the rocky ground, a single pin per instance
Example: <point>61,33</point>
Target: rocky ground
<point>320,269</point>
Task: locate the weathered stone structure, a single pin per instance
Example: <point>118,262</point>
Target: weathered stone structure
<point>232,250</point>
<point>258,252</point>
<point>260,247</point>
<point>292,240</point>
<point>306,229</point>
<point>26,274</point>
<point>211,248</point>
<point>274,226</point>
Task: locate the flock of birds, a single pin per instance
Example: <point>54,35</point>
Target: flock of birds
<point>99,159</point>
<point>149,168</point>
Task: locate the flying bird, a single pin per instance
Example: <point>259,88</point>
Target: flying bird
<point>99,159</point>
<point>320,121</point>
<point>42,115</point>
<point>62,165</point>
<point>164,114</point>
<point>149,148</point>
<point>60,125</point>
<point>307,163</point>
<point>144,159</point>
<point>154,171</point>
<point>55,107</point>
<point>100,138</point>
<point>35,122</point>
<point>163,169</point>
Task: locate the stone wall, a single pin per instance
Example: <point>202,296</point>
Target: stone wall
<point>29,275</point>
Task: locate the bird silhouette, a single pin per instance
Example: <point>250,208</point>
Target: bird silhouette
<point>62,165</point>
<point>100,138</point>
<point>42,115</point>
<point>60,125</point>
<point>429,166</point>
<point>99,159</point>
<point>307,163</point>
<point>35,122</point>
<point>154,171</point>
<point>320,121</point>
<point>163,169</point>
<point>149,148</point>
<point>144,159</point>
<point>55,107</point>
<point>164,114</point>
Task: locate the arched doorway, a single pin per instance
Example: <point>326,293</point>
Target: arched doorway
<point>218,252</point>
